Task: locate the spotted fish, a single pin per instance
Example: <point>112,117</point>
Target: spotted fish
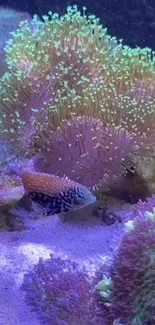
<point>52,194</point>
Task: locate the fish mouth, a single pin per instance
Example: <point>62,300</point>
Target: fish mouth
<point>93,200</point>
<point>90,201</point>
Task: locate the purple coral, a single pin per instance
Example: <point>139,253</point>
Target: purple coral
<point>83,150</point>
<point>132,299</point>
<point>142,206</point>
<point>62,294</point>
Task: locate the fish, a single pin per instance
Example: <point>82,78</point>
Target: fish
<point>51,194</point>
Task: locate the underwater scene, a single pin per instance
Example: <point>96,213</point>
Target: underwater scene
<point>77,162</point>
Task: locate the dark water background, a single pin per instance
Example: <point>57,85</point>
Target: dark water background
<point>130,20</point>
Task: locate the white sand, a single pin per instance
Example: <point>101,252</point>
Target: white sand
<point>20,250</point>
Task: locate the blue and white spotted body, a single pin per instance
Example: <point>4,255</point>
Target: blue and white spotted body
<point>52,194</point>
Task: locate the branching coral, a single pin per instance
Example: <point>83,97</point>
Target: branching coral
<point>132,298</point>
<point>63,294</point>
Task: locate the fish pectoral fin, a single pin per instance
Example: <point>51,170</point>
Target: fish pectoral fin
<point>45,211</point>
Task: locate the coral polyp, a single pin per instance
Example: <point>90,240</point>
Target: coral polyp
<point>143,206</point>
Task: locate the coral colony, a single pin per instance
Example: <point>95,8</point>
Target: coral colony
<point>86,104</point>
<point>132,296</point>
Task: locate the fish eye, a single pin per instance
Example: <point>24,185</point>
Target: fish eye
<point>78,199</point>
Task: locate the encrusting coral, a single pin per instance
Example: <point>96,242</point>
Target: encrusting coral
<point>76,95</point>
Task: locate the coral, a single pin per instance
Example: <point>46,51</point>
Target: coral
<point>143,206</point>
<point>40,72</point>
<point>131,21</point>
<point>77,53</point>
<point>74,97</point>
<point>10,196</point>
<point>104,287</point>
<point>132,298</point>
<point>93,136</point>
<point>62,294</point>
<point>91,154</point>
<point>9,22</point>
<point>9,181</point>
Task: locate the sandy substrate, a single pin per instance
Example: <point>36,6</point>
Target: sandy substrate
<point>20,250</point>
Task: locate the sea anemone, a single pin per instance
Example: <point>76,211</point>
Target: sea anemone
<point>62,293</point>
<point>132,297</point>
